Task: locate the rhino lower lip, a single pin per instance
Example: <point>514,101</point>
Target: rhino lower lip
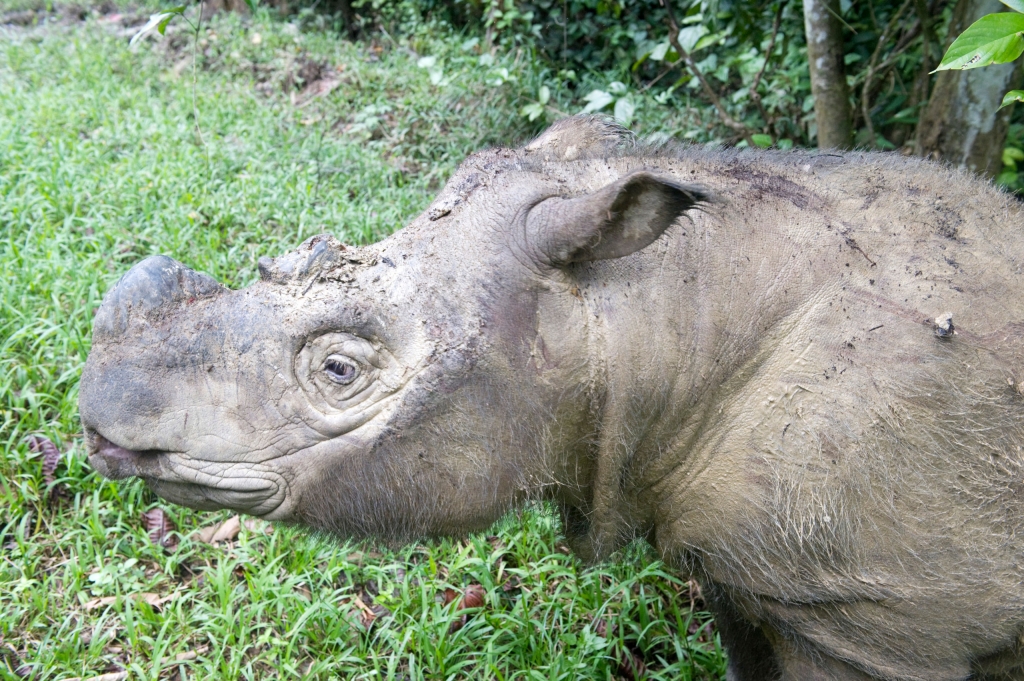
<point>255,500</point>
<point>117,463</point>
<point>247,494</point>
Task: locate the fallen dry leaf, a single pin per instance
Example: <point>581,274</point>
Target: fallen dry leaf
<point>603,629</point>
<point>115,676</point>
<point>40,444</point>
<point>160,528</point>
<point>368,615</point>
<point>318,88</point>
<point>631,666</point>
<point>511,584</point>
<point>258,526</point>
<point>220,532</point>
<point>99,602</point>
<point>358,557</point>
<point>473,597</point>
<point>154,600</point>
<point>10,658</point>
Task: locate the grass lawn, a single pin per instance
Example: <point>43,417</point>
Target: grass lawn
<point>100,166</point>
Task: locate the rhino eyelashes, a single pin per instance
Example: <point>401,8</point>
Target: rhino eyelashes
<point>339,370</point>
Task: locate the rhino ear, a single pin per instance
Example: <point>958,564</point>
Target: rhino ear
<point>617,220</point>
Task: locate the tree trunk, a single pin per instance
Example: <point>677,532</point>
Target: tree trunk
<point>832,110</point>
<point>961,123</point>
<point>211,7</point>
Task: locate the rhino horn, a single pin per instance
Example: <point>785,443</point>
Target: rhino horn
<point>146,289</point>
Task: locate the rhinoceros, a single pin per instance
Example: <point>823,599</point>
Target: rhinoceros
<point>797,375</point>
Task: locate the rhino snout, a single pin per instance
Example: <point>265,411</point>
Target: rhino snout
<point>147,287</point>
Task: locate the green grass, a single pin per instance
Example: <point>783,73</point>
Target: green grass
<point>100,166</point>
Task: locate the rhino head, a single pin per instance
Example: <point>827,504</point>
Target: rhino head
<point>420,386</point>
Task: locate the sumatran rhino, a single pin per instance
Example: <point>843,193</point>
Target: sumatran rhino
<point>797,375</point>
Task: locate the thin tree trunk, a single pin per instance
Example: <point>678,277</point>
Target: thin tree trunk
<point>961,123</point>
<point>832,110</point>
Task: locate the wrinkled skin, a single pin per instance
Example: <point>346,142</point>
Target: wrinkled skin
<point>743,357</point>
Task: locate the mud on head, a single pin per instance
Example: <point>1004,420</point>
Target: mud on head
<point>417,387</point>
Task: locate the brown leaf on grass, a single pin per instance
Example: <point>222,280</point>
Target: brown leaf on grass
<point>512,583</point>
<point>99,602</point>
<point>458,624</point>
<point>155,600</point>
<point>257,526</point>
<point>318,88</point>
<point>9,657</point>
<point>473,597</point>
<point>704,632</point>
<point>115,676</point>
<point>40,444</point>
<point>631,666</point>
<point>603,629</point>
<point>368,614</point>
<point>359,557</point>
<point>219,532</point>
<point>370,611</point>
<point>160,528</point>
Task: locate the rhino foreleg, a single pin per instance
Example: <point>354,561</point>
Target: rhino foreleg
<point>751,657</point>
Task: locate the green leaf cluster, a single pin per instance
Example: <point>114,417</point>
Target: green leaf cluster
<point>993,39</point>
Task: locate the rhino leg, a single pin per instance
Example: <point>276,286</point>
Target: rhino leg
<point>751,657</point>
<point>798,664</point>
<point>762,654</point>
<point>1007,665</point>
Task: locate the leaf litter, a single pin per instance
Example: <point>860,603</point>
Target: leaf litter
<point>40,444</point>
<point>161,528</point>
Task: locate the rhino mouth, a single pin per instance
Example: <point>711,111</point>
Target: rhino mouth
<point>117,463</point>
<point>178,479</point>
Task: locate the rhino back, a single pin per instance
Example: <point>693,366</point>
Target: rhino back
<point>842,465</point>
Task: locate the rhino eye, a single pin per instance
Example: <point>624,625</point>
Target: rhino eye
<point>340,370</point>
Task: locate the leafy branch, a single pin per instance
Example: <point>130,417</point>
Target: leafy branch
<point>159,22</point>
<point>716,101</point>
<point>993,39</point>
<point>873,67</point>
<point>755,96</point>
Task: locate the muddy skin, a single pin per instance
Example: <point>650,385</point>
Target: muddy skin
<point>798,375</point>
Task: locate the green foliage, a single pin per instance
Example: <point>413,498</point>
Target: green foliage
<point>1011,97</point>
<point>158,22</point>
<point>100,166</point>
<point>992,39</point>
<point>1012,174</point>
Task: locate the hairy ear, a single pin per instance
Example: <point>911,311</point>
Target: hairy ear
<point>617,220</point>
